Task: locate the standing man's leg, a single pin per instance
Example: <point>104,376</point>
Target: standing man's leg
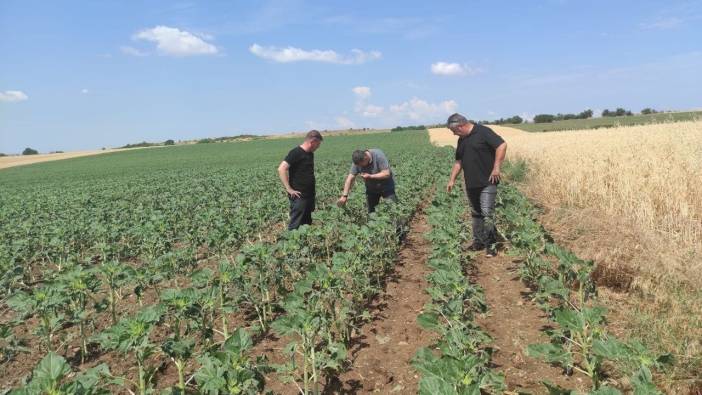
<point>373,199</point>
<point>487,209</point>
<point>474,195</point>
<point>309,208</point>
<point>297,212</point>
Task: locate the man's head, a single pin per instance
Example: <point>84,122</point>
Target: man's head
<point>458,124</point>
<point>360,158</point>
<point>313,139</point>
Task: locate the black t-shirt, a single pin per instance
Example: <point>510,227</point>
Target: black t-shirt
<point>301,172</point>
<point>477,155</point>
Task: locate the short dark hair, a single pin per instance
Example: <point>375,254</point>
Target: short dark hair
<point>358,156</point>
<point>456,119</point>
<point>314,135</point>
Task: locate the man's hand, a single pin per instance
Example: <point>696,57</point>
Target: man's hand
<point>294,194</point>
<point>342,201</point>
<point>366,176</point>
<point>449,186</point>
<point>495,176</point>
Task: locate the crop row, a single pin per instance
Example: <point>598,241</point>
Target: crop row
<point>462,363</point>
<point>311,284</point>
<point>565,289</point>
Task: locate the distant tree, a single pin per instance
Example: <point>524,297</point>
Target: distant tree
<point>1,154</point>
<point>620,112</point>
<point>585,114</point>
<point>138,145</point>
<point>607,113</point>
<point>647,111</point>
<point>404,128</point>
<point>169,142</point>
<point>514,120</point>
<point>544,118</point>
<point>29,151</point>
<point>204,141</point>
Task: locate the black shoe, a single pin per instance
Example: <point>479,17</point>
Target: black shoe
<point>476,247</point>
<point>491,251</point>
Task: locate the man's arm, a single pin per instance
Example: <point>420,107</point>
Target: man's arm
<point>500,153</point>
<point>348,184</point>
<point>283,174</point>
<point>382,175</point>
<point>455,171</point>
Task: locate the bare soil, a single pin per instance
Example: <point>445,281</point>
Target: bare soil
<point>442,136</point>
<point>381,351</point>
<point>17,160</point>
<point>514,322</point>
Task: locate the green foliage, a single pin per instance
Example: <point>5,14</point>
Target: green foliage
<point>611,121</point>
<point>462,366</point>
<point>565,289</point>
<point>29,151</point>
<point>619,112</point>
<point>511,120</point>
<point>52,374</point>
<point>228,370</point>
<point>135,227</point>
<point>143,144</point>
<point>544,118</point>
<point>408,128</point>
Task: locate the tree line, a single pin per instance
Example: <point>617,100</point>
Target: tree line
<point>548,118</point>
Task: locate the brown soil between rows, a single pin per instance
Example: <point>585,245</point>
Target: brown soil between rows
<point>381,352</point>
<point>514,321</point>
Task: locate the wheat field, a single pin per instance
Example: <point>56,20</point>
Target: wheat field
<point>629,198</point>
<point>645,177</point>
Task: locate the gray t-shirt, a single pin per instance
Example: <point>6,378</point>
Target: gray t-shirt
<point>379,162</point>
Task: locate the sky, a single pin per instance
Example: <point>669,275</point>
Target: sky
<point>80,75</point>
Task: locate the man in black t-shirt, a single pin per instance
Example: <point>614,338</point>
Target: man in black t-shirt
<point>479,153</point>
<point>296,173</point>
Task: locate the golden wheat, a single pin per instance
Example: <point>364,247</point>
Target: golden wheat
<point>649,176</point>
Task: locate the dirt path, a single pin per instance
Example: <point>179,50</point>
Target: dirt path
<point>381,363</point>
<point>442,136</point>
<point>380,355</point>
<point>17,160</point>
<point>514,322</point>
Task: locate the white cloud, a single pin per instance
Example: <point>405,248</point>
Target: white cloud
<point>345,123</point>
<point>363,92</point>
<point>175,42</point>
<point>414,109</point>
<point>84,91</point>
<point>663,23</point>
<point>371,111</point>
<point>13,96</point>
<point>127,50</point>
<point>362,107</point>
<point>444,68</point>
<point>418,109</point>
<point>292,54</point>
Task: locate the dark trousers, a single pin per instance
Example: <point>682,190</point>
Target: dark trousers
<point>374,198</point>
<point>482,201</point>
<point>300,211</point>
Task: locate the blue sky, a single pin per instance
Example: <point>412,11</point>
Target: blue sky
<point>90,74</point>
